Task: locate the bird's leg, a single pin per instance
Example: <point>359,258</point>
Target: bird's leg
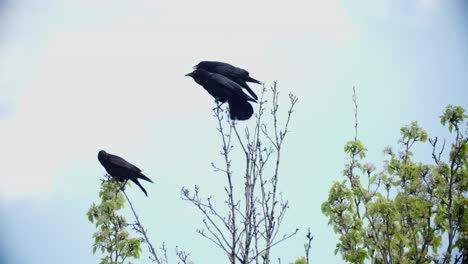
<point>123,185</point>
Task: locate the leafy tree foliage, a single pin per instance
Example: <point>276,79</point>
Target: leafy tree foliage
<point>410,212</point>
<point>112,237</point>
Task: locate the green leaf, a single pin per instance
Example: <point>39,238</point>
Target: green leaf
<point>446,202</point>
<point>443,210</point>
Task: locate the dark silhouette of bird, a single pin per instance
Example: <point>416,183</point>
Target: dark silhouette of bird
<point>224,90</point>
<point>238,75</point>
<point>121,170</point>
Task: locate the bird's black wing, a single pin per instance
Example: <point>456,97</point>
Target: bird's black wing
<point>232,86</point>
<point>223,68</point>
<point>238,75</point>
<point>115,160</point>
<point>233,71</point>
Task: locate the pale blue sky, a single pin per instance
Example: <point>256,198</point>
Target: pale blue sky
<point>60,60</point>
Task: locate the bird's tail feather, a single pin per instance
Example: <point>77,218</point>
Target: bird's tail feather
<point>252,97</point>
<point>251,92</point>
<point>239,109</point>
<point>135,180</point>
<point>250,79</point>
<point>143,177</point>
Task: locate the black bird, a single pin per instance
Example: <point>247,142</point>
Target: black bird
<point>238,75</point>
<point>224,90</point>
<point>121,170</point>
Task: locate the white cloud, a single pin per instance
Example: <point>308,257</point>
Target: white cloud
<point>101,84</point>
<point>327,18</point>
<point>73,102</point>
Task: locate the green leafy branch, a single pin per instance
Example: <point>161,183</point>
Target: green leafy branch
<point>409,211</point>
<point>112,238</point>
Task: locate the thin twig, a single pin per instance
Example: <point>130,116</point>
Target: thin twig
<point>143,231</point>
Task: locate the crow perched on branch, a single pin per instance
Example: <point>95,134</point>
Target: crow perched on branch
<point>238,75</point>
<point>121,170</point>
<point>224,90</point>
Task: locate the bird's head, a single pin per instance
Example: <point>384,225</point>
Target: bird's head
<point>191,74</point>
<point>102,155</point>
<point>199,74</point>
<point>201,65</point>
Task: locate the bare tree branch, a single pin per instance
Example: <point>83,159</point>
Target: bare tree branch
<point>139,228</point>
<point>252,222</point>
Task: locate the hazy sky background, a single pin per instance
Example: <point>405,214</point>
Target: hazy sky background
<point>77,76</point>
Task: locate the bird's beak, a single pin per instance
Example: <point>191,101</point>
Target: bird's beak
<point>189,74</point>
<point>194,67</point>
